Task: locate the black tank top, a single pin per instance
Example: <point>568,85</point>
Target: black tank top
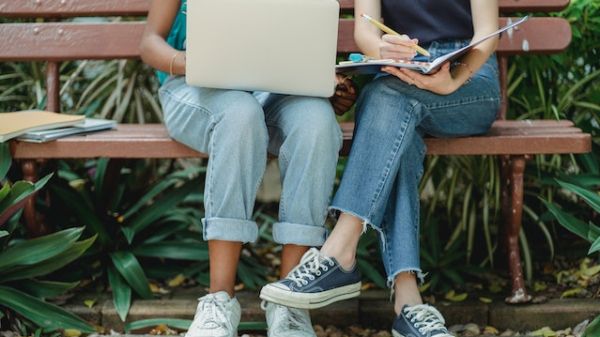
<point>429,20</point>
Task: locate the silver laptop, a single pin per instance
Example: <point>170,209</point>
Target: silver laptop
<point>279,46</point>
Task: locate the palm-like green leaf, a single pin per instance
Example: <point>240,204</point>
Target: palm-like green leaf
<point>590,197</point>
<point>45,289</point>
<point>47,266</point>
<point>36,250</point>
<point>152,193</point>
<point>194,251</point>
<point>19,194</point>
<point>4,191</point>
<point>182,324</point>
<point>83,210</point>
<point>5,160</point>
<point>45,315</point>
<point>595,246</point>
<point>101,166</point>
<point>160,187</point>
<point>129,267</point>
<point>161,206</point>
<point>593,330</point>
<point>121,293</point>
<point>568,221</point>
<point>19,191</point>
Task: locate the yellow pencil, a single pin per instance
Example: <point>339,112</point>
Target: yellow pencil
<point>392,32</point>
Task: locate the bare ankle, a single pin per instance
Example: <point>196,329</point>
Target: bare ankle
<point>343,241</point>
<point>346,258</point>
<point>406,291</point>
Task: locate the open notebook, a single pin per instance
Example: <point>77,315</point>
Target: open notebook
<point>374,66</point>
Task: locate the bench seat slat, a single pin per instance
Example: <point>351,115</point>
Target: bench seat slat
<point>78,41</point>
<point>152,141</point>
<point>61,8</point>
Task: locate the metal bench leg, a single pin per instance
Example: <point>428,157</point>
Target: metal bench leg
<point>34,222</point>
<point>513,168</point>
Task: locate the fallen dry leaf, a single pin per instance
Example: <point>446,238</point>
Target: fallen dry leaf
<point>71,333</point>
<point>176,281</point>
<point>89,303</point>
<point>454,297</point>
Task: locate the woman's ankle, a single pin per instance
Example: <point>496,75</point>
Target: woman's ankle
<point>406,291</point>
<point>343,241</point>
<point>345,257</point>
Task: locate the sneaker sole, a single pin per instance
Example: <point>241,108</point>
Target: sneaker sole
<point>309,300</point>
<point>396,334</point>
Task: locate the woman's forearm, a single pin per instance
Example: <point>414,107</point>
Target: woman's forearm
<point>367,36</point>
<point>154,50</point>
<point>158,54</point>
<point>485,21</point>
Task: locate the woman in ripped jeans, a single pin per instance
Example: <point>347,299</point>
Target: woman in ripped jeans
<point>394,112</point>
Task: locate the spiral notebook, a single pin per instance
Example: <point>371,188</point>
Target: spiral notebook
<point>374,66</point>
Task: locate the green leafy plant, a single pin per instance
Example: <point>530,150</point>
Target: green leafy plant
<point>586,188</point>
<point>131,230</point>
<point>445,263</point>
<point>24,264</point>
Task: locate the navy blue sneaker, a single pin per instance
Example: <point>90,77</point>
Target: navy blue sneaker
<point>420,320</point>
<point>316,282</point>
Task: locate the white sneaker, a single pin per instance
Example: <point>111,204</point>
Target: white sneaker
<point>217,315</point>
<point>283,321</point>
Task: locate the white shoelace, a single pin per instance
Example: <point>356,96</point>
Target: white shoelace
<point>427,319</point>
<point>311,264</point>
<point>213,313</point>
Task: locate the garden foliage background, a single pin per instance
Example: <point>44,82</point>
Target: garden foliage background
<point>145,214</point>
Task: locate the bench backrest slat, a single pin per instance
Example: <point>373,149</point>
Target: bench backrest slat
<point>63,41</point>
<point>77,41</point>
<point>73,8</point>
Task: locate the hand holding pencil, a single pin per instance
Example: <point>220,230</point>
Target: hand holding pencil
<point>390,31</point>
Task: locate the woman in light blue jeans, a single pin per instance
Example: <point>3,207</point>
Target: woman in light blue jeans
<point>237,129</point>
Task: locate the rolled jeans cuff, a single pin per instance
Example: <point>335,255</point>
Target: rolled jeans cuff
<point>297,234</point>
<point>224,229</point>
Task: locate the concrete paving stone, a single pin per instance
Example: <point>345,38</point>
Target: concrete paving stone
<point>557,314</point>
<point>372,309</point>
<point>92,315</point>
<point>338,314</point>
<point>146,309</point>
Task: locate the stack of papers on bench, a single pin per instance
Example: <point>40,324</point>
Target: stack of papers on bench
<point>14,124</point>
<point>88,125</point>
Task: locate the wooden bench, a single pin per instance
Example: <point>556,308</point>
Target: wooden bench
<point>57,41</point>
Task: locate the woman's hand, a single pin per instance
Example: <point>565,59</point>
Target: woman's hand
<point>345,95</point>
<point>397,47</point>
<point>441,83</point>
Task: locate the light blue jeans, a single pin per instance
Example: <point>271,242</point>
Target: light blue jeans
<point>380,183</point>
<point>237,129</point>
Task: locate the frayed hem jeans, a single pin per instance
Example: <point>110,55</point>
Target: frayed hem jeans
<point>381,179</point>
